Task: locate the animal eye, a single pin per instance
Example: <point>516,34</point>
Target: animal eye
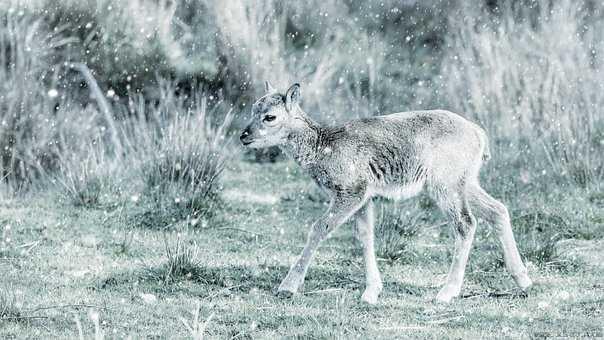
<point>269,118</point>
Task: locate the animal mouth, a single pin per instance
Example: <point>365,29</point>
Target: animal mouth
<point>247,142</point>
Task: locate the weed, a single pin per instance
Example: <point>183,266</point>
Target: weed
<point>94,316</point>
<point>196,327</point>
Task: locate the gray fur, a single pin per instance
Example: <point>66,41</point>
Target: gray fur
<point>395,156</point>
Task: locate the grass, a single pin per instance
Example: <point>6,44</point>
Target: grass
<point>109,161</point>
<point>531,75</point>
<point>230,269</point>
<point>29,100</point>
<point>8,306</point>
<point>397,226</point>
<point>180,154</point>
<point>81,180</point>
<point>181,262</point>
<point>196,327</point>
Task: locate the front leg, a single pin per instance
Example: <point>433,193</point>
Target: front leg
<point>365,232</point>
<point>340,209</point>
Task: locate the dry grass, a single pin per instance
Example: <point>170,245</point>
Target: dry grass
<point>180,153</point>
<point>83,179</point>
<point>30,135</point>
<point>532,76</point>
<point>181,262</point>
<point>196,327</point>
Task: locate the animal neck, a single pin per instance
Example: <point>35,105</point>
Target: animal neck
<point>304,139</point>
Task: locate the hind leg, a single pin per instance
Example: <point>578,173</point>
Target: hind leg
<point>454,204</point>
<point>496,214</point>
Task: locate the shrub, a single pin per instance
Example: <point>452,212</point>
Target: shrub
<point>382,50</point>
<point>42,125</point>
<point>126,43</point>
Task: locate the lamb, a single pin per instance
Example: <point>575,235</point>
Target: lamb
<point>394,156</point>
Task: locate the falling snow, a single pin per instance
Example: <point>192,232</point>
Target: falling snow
<point>129,205</point>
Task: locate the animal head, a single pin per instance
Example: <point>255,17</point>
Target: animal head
<point>272,117</point>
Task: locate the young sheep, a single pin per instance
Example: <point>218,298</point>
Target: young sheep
<point>395,156</point>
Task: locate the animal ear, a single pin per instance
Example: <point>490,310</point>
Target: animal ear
<point>268,87</point>
<point>292,96</point>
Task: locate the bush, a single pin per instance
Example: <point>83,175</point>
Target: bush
<point>127,43</point>
<point>42,125</point>
<point>378,55</point>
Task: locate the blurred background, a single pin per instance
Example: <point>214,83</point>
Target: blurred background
<point>87,85</point>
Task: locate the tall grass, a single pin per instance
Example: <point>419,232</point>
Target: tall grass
<point>127,42</point>
<point>529,72</point>
<point>84,177</point>
<point>349,64</point>
<point>532,74</point>
<point>48,135</point>
<point>33,112</point>
<point>180,153</point>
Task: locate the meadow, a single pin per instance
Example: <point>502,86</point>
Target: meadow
<point>129,210</point>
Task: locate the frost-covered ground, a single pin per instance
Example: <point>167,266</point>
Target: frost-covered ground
<point>62,266</point>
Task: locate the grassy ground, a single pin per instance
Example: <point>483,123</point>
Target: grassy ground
<point>64,264</point>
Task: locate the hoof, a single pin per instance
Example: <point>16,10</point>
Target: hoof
<point>524,282</point>
<point>284,294</point>
<point>446,294</point>
<point>370,296</point>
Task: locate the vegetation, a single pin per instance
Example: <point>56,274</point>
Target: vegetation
<point>116,139</point>
<point>397,226</point>
<point>231,267</point>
